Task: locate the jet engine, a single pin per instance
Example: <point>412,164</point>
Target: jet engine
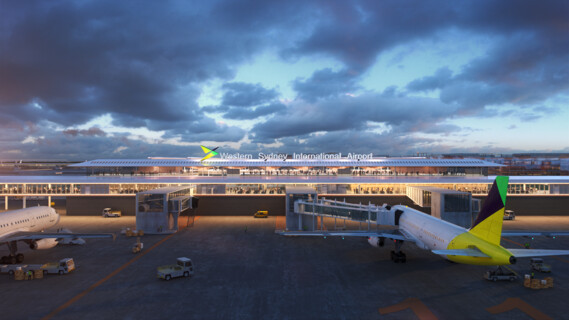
<point>376,241</point>
<point>43,244</point>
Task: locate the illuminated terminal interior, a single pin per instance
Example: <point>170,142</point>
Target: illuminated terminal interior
<point>115,187</point>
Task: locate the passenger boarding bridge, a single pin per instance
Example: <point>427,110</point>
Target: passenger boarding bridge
<point>369,214</point>
<point>304,208</point>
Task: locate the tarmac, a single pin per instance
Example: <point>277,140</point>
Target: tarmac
<point>243,270</point>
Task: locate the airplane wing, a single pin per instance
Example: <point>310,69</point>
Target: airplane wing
<point>525,253</point>
<point>462,252</point>
<point>394,234</point>
<point>522,233</point>
<point>53,235</point>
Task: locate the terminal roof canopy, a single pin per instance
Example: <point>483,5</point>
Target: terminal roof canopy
<point>375,162</point>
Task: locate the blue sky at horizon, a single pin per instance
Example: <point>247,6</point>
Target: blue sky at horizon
<point>97,79</point>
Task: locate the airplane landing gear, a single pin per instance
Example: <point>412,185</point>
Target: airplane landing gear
<point>13,258</point>
<point>398,255</point>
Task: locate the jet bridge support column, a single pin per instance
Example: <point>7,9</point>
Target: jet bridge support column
<point>295,221</point>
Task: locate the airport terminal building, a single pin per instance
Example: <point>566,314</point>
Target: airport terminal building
<point>240,184</point>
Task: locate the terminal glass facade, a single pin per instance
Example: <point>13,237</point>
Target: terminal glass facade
<point>130,189</point>
<point>457,203</point>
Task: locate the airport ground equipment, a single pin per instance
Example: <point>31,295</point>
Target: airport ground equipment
<point>537,283</point>
<point>261,214</point>
<point>11,268</point>
<point>537,264</point>
<point>137,247</point>
<point>62,267</point>
<point>183,268</point>
<point>133,233</point>
<point>21,274</point>
<point>509,215</point>
<point>107,212</point>
<point>505,273</point>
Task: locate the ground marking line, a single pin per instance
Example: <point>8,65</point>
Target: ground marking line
<point>517,303</point>
<point>112,274</point>
<point>417,306</point>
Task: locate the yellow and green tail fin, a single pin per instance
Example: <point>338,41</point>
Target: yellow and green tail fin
<point>488,224</point>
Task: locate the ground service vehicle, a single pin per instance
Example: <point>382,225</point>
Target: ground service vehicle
<point>183,267</point>
<point>501,274</point>
<point>538,265</point>
<point>107,212</point>
<point>10,268</point>
<point>63,266</point>
<point>261,214</point>
<point>509,215</point>
<point>137,247</point>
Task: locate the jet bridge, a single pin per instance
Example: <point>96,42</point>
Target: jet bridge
<point>320,208</point>
<point>157,210</point>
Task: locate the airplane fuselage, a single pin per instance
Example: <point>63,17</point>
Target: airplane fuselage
<point>431,233</point>
<point>33,219</point>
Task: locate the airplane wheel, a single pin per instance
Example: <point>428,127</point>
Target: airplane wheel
<point>12,259</point>
<point>393,256</point>
<point>403,258</point>
<point>20,258</point>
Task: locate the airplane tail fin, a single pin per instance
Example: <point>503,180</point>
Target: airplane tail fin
<point>488,224</point>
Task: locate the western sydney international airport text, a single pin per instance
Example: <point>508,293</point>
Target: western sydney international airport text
<point>298,156</point>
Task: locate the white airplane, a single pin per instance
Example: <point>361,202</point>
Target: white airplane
<point>479,245</point>
<point>27,225</point>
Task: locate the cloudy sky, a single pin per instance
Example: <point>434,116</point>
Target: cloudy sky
<point>130,79</point>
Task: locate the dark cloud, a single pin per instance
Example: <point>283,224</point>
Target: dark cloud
<point>440,79</point>
<point>64,63</point>
<point>244,101</point>
<point>325,83</point>
<point>131,61</point>
<point>239,94</point>
<point>248,114</point>
<point>410,114</point>
<point>355,32</point>
<point>93,131</point>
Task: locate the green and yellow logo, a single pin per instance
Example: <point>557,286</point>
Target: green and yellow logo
<point>208,153</point>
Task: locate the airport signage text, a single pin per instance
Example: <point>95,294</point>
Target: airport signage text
<point>296,156</point>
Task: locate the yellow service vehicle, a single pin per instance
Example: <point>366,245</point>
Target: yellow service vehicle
<point>261,214</point>
<point>107,212</point>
